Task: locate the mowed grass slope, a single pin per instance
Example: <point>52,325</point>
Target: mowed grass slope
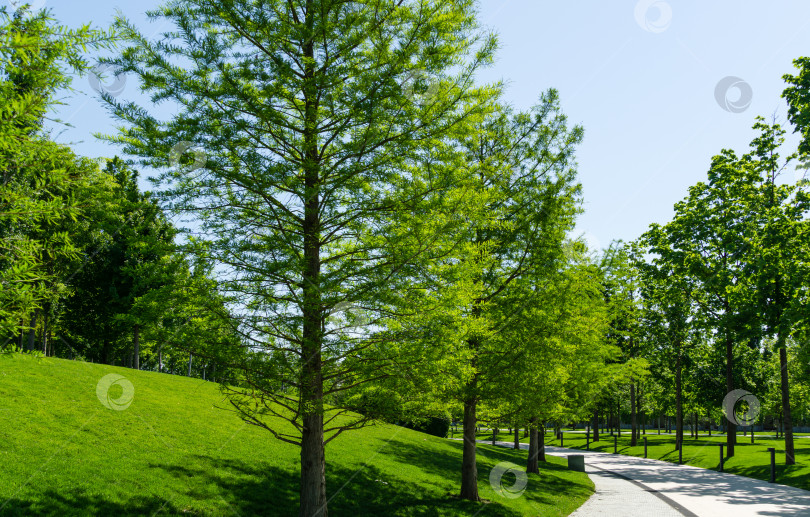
<point>175,450</point>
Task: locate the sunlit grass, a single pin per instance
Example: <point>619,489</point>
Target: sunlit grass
<point>752,460</point>
<point>175,451</point>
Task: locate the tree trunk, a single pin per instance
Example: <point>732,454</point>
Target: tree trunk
<point>534,448</point>
<point>32,333</point>
<point>45,331</point>
<point>106,352</point>
<point>137,347</point>
<point>633,423</point>
<point>619,417</point>
<point>469,470</point>
<point>731,435</point>
<point>313,467</point>
<point>313,460</point>
<point>190,357</point>
<point>787,419</point>
<point>596,425</point>
<point>678,400</point>
<point>541,443</point>
<point>160,358</point>
<point>494,435</point>
<point>517,437</point>
<point>641,415</point>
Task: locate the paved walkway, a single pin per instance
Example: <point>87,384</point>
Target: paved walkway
<point>628,486</point>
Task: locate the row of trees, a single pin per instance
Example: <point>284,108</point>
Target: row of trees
<point>88,265</point>
<point>392,236</point>
<point>717,298</point>
<point>372,235</point>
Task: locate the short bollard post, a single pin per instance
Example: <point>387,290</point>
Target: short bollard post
<point>645,446</point>
<point>576,462</point>
<point>773,464</point>
<point>615,444</point>
<point>721,457</point>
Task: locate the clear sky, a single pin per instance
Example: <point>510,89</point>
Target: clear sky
<point>641,77</point>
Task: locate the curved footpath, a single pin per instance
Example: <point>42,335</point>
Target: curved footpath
<point>630,486</point>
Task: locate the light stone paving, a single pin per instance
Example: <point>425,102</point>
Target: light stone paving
<point>617,496</point>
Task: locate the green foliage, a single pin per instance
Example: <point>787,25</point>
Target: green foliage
<point>40,179</point>
<point>797,96</point>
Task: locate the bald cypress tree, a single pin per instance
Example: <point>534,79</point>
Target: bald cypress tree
<point>298,144</point>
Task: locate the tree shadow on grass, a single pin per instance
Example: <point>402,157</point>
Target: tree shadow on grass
<point>267,490</point>
<point>542,490</point>
<point>79,502</point>
<point>204,485</point>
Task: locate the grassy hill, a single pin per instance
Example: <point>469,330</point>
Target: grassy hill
<point>174,450</point>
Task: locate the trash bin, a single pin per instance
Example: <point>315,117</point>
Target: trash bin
<point>576,462</point>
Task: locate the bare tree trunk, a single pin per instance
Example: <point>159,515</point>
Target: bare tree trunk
<point>160,358</point>
<point>787,419</point>
<point>137,346</point>
<point>642,416</point>
<point>313,460</point>
<point>633,422</point>
<point>190,357</point>
<point>32,333</point>
<point>678,400</point>
<point>534,448</point>
<point>313,467</point>
<point>542,443</point>
<point>469,472</point>
<point>45,331</point>
<point>731,435</point>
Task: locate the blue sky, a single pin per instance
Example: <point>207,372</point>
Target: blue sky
<point>640,76</point>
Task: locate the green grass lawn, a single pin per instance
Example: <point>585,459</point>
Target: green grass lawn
<point>175,451</point>
<point>752,460</point>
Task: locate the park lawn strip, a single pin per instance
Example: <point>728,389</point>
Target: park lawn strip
<point>750,460</point>
<point>177,450</point>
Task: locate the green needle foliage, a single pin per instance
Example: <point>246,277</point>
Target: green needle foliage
<point>524,171</point>
<point>307,120</point>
